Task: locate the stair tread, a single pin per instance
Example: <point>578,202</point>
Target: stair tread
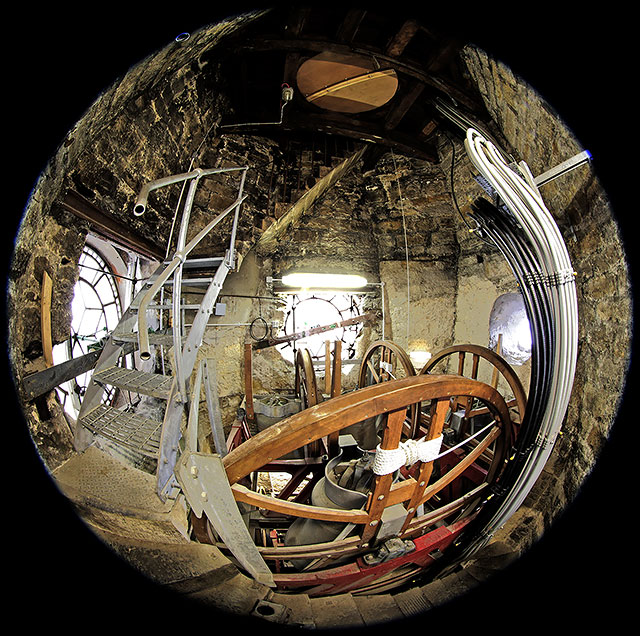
<point>154,384</point>
<point>160,338</point>
<point>126,429</point>
<point>202,262</point>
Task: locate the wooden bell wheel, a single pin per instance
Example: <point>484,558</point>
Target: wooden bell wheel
<point>306,385</point>
<point>306,388</point>
<point>496,368</point>
<point>432,492</point>
<point>383,361</point>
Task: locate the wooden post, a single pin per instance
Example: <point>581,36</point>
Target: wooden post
<point>378,501</point>
<point>336,376</point>
<point>494,379</point>
<point>438,417</point>
<point>327,367</point>
<point>45,318</point>
<point>248,382</point>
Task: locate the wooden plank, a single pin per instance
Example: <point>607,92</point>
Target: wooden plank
<point>46,290</point>
<point>42,382</point>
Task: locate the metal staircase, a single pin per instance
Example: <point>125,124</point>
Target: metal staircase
<point>152,438</point>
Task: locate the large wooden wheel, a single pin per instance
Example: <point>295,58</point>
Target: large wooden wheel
<point>429,493</point>
<point>454,360</point>
<point>383,361</point>
<point>306,385</point>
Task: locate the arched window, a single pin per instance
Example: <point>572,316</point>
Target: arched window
<point>509,323</point>
<point>96,309</point>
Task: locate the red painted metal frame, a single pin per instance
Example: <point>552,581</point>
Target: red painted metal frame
<point>357,575</point>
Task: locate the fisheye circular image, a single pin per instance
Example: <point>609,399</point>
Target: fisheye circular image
<point>318,317</point>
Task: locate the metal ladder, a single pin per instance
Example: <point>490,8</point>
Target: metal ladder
<point>148,437</point>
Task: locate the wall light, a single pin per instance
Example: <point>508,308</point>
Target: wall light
<point>324,281</point>
<point>419,358</point>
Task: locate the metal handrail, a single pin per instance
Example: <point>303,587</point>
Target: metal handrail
<point>175,266</point>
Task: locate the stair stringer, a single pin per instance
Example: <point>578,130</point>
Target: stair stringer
<point>171,427</point>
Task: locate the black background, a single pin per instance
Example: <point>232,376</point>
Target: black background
<point>57,61</point>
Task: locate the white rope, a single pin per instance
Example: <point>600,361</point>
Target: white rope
<point>387,461</point>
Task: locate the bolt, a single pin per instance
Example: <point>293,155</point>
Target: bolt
<point>194,471</point>
<point>374,523</point>
<point>203,494</point>
<point>422,483</point>
<point>380,497</point>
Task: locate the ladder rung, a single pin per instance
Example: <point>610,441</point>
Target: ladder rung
<point>126,429</point>
<point>154,384</point>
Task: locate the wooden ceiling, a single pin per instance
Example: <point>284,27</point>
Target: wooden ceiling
<point>258,60</point>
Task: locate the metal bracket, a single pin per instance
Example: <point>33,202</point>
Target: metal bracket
<point>390,549</point>
<point>564,167</point>
<point>205,485</point>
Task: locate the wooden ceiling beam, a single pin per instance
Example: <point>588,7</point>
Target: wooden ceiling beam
<point>338,124</point>
<point>401,39</point>
<point>350,25</point>
<point>110,228</point>
<point>297,19</point>
<point>403,106</point>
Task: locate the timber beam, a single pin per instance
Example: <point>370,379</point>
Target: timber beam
<point>109,227</point>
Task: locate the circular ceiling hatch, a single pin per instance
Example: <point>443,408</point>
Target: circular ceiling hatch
<point>346,83</point>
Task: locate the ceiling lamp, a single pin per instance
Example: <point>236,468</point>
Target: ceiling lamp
<point>346,83</point>
<point>324,281</point>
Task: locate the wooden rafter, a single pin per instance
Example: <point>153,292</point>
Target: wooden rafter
<point>269,240</point>
<point>350,25</point>
<point>401,39</point>
<point>109,227</point>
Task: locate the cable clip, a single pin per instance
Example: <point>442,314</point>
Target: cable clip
<point>555,279</point>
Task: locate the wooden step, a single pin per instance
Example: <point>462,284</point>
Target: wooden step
<point>125,429</point>
<point>154,384</point>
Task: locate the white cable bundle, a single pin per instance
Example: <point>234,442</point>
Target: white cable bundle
<point>525,203</point>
